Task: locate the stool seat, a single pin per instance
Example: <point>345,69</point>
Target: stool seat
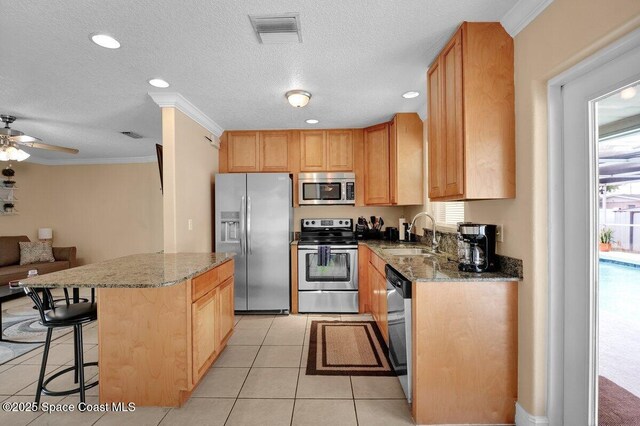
<point>74,313</point>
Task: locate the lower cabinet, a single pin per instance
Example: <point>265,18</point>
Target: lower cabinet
<point>204,319</point>
<point>376,282</point>
<point>225,307</point>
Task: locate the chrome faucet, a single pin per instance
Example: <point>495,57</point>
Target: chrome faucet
<point>434,240</point>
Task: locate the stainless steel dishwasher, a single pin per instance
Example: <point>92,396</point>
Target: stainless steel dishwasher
<point>399,323</point>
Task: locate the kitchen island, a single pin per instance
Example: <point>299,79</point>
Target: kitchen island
<point>163,319</point>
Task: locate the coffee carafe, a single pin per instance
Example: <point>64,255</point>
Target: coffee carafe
<point>476,247</point>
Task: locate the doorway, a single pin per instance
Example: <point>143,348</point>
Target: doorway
<point>574,227</point>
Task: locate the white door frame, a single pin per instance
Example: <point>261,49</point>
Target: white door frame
<point>572,250</point>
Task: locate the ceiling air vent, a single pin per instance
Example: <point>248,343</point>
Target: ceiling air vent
<point>275,29</point>
<point>133,135</point>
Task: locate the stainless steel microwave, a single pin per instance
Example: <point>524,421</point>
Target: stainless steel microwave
<point>326,188</point>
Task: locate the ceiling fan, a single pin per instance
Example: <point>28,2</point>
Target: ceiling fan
<point>11,139</point>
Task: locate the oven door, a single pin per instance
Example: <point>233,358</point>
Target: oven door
<point>341,273</point>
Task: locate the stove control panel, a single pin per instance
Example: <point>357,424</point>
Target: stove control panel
<point>317,224</point>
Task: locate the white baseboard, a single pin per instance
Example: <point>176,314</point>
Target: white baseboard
<point>525,419</point>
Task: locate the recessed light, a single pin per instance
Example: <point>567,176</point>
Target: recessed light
<point>158,82</point>
<point>105,41</point>
<point>311,121</point>
<point>628,93</point>
<point>410,95</point>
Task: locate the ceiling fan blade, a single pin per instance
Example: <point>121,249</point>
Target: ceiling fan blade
<point>23,139</point>
<point>49,147</point>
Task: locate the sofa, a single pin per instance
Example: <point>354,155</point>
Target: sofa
<point>10,268</point>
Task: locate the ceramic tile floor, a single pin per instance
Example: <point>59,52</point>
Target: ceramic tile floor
<point>259,379</point>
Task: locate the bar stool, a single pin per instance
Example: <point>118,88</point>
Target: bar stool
<point>68,315</point>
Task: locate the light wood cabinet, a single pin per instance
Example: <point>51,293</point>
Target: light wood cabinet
<point>204,316</point>
<point>376,165</point>
<point>393,162</point>
<point>243,152</point>
<point>471,116</point>
<point>274,151</point>
<point>465,352</point>
<point>378,291</point>
<point>313,151</point>
<point>364,289</point>
<point>226,310</point>
<point>340,150</point>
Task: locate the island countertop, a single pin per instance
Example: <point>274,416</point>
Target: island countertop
<point>146,270</point>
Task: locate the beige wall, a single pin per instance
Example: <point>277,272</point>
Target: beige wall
<point>190,163</point>
<point>390,215</point>
<point>105,211</point>
<point>565,33</point>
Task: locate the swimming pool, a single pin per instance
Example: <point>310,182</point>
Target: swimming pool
<point>619,291</point>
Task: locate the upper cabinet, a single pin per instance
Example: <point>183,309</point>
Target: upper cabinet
<point>393,162</point>
<point>250,152</point>
<point>471,116</point>
<point>326,150</point>
<point>243,151</point>
<point>274,151</point>
<point>313,151</point>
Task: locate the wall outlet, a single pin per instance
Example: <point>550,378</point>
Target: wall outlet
<point>190,224</point>
<point>500,233</point>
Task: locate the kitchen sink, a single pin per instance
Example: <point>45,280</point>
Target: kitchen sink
<point>408,252</point>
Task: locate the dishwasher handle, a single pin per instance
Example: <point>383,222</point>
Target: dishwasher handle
<point>399,282</point>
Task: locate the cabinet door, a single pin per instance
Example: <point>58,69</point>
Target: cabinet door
<point>382,307</point>
<point>452,116</point>
<point>243,152</point>
<point>340,150</point>
<point>393,161</point>
<point>376,164</point>
<point>313,151</point>
<point>274,151</point>
<point>225,309</point>
<point>364,286</point>
<point>204,339</point>
<point>373,284</point>
<point>437,161</point>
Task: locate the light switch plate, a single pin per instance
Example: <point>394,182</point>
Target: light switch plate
<point>500,233</point>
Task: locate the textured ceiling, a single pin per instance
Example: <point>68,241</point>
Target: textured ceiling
<point>357,58</point>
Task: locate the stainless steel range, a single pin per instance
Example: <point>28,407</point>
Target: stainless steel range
<point>327,266</point>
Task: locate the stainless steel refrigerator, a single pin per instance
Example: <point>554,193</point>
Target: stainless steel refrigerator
<point>254,219</point>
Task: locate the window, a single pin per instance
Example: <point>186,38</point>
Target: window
<point>449,213</point>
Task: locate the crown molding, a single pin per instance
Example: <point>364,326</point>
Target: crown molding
<point>81,161</point>
<point>521,15</point>
<point>176,100</point>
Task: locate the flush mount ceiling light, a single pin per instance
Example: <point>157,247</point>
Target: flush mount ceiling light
<point>628,93</point>
<point>298,98</point>
<point>312,121</point>
<point>410,95</point>
<point>106,41</point>
<point>159,83</point>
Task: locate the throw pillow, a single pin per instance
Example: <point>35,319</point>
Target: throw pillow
<point>35,252</point>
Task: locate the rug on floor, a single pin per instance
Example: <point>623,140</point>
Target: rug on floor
<point>22,324</point>
<point>347,348</point>
<point>616,405</point>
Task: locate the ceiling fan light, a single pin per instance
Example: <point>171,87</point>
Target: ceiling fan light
<point>3,155</point>
<point>12,152</point>
<point>22,155</point>
<point>298,98</point>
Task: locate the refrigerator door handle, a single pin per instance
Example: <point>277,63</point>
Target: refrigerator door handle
<point>249,224</point>
<point>243,248</point>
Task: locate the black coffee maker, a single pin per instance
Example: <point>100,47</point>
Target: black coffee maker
<point>476,247</point>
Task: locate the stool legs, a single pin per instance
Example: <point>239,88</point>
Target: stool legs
<point>80,362</point>
<point>75,354</point>
<point>43,367</point>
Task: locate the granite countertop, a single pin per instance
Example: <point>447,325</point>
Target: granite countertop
<point>135,271</point>
<point>437,267</point>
